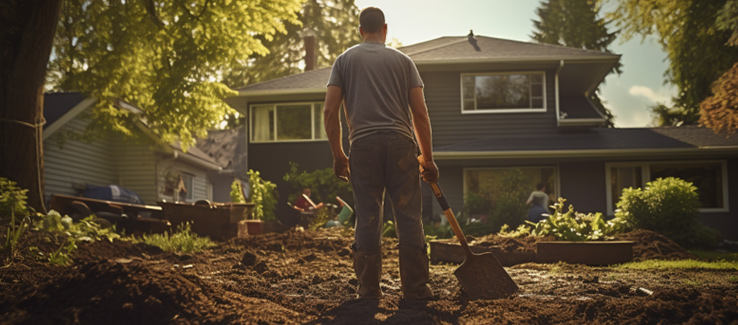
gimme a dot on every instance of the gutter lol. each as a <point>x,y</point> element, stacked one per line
<point>178,155</point>
<point>518,60</point>
<point>556,90</point>
<point>454,155</point>
<point>273,92</point>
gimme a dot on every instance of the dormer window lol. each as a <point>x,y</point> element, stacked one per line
<point>503,92</point>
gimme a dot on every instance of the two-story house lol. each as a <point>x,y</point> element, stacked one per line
<point>497,105</point>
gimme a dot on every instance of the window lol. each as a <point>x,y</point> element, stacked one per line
<point>287,122</point>
<point>707,176</point>
<point>494,183</point>
<point>503,92</point>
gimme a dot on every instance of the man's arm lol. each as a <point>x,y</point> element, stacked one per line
<point>331,117</point>
<point>422,127</point>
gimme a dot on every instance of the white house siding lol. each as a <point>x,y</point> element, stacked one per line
<point>76,162</point>
<point>136,167</point>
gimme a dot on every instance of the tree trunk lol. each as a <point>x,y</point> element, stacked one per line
<point>26,39</point>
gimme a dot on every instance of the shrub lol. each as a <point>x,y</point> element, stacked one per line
<point>510,208</point>
<point>324,184</point>
<point>576,226</point>
<point>263,194</point>
<point>667,206</point>
<point>12,199</point>
<point>237,195</point>
<point>474,204</point>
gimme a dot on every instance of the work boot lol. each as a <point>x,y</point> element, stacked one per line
<point>415,274</point>
<point>368,269</point>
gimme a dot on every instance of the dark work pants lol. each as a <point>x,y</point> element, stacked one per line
<point>386,161</point>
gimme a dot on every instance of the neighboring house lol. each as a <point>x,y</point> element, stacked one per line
<point>148,167</point>
<point>497,105</point>
<point>228,149</point>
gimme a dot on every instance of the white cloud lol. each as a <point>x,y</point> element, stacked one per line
<point>662,96</point>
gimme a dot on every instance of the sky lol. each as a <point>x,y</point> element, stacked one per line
<point>628,95</point>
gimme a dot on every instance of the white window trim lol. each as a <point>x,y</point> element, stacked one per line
<point>646,177</point>
<point>502,110</point>
<point>313,105</point>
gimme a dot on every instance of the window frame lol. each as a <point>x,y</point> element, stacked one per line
<point>556,187</point>
<point>646,177</point>
<point>314,105</point>
<point>504,110</point>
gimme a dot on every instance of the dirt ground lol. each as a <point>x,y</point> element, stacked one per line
<point>307,277</point>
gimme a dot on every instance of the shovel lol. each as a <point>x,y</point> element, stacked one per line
<point>481,275</point>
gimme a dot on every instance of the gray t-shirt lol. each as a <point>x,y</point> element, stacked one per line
<point>376,81</point>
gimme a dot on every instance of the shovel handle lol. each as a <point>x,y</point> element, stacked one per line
<point>450,216</point>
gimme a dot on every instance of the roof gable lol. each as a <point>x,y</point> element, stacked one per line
<point>452,50</point>
<point>490,49</point>
<point>61,108</point>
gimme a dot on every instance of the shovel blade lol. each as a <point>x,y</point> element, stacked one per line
<point>483,277</point>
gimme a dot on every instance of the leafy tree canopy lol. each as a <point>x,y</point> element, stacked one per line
<point>696,44</point>
<point>163,56</point>
<point>578,24</point>
<point>334,24</point>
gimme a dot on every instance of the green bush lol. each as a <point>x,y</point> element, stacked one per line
<point>12,199</point>
<point>237,192</point>
<point>474,204</point>
<point>667,206</point>
<point>510,208</point>
<point>324,184</point>
<point>263,194</point>
<point>576,226</point>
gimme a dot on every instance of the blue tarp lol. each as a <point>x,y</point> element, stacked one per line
<point>112,193</point>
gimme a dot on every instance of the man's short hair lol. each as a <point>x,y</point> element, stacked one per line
<point>371,20</point>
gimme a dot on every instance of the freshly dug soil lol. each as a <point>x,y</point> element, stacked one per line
<point>307,277</point>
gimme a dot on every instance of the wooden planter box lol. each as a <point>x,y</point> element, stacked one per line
<point>588,253</point>
<point>453,253</point>
<point>216,220</point>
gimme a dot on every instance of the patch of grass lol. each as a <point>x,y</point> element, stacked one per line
<point>691,282</point>
<point>681,264</point>
<point>715,256</point>
<point>182,240</point>
<point>733,279</point>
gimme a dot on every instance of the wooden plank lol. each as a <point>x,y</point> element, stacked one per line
<point>588,253</point>
<point>454,253</point>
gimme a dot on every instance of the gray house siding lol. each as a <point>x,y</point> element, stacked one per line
<point>450,126</point>
<point>76,162</point>
<point>136,166</point>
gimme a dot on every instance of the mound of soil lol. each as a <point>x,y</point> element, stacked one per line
<point>307,277</point>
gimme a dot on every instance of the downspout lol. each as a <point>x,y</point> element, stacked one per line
<point>556,91</point>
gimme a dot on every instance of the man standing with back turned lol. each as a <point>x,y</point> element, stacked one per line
<point>377,84</point>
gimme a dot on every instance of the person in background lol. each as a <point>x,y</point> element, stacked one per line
<point>538,202</point>
<point>303,202</point>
